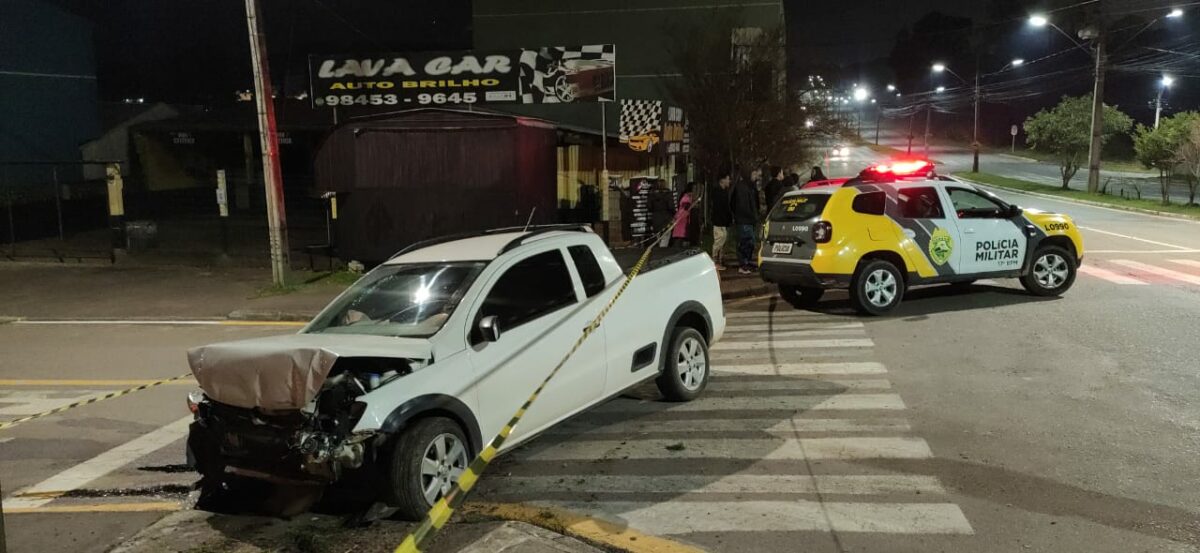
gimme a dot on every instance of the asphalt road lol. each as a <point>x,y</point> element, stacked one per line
<point>976,420</point>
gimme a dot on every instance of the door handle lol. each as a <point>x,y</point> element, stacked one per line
<point>969,231</point>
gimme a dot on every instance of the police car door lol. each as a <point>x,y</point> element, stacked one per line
<point>992,241</point>
<point>922,215</point>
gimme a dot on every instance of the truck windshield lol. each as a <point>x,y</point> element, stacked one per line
<point>411,300</point>
<point>799,208</point>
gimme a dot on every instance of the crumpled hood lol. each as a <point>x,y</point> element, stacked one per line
<point>286,372</point>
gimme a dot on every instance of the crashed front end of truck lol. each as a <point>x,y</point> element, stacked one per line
<point>283,409</point>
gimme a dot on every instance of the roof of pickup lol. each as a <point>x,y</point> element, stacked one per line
<point>481,246</point>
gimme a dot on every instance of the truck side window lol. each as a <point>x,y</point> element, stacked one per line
<point>921,203</point>
<point>533,287</point>
<point>870,203</point>
<point>589,269</point>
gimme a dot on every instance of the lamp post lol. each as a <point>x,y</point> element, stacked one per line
<point>1164,84</point>
<point>977,96</point>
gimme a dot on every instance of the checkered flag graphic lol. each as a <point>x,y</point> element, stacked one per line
<point>539,68</point>
<point>640,118</point>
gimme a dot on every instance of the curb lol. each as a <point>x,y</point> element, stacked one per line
<point>757,290</point>
<point>280,316</point>
<point>1130,209</point>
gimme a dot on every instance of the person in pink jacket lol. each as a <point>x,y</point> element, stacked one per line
<point>680,235</point>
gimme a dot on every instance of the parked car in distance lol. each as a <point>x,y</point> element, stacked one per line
<point>405,376</point>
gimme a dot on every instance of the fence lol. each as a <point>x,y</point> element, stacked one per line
<point>51,211</point>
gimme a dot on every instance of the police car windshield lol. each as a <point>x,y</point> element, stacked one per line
<point>799,207</point>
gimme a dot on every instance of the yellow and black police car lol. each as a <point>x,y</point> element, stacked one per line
<point>900,225</point>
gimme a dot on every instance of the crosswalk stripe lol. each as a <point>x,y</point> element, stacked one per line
<point>736,328</point>
<point>733,384</point>
<point>773,314</point>
<point>1105,274</point>
<point>1159,271</point>
<point>1186,262</point>
<point>801,369</point>
<point>785,427</point>
<point>747,448</point>
<point>684,517</point>
<point>794,344</point>
<point>776,335</point>
<point>849,402</point>
<point>734,483</point>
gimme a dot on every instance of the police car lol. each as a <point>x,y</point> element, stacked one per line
<point>900,225</point>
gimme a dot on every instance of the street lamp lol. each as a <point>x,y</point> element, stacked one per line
<point>1018,62</point>
<point>941,89</point>
<point>1038,20</point>
<point>939,67</point>
<point>861,94</point>
<point>1177,12</point>
<point>891,88</point>
<point>1166,83</point>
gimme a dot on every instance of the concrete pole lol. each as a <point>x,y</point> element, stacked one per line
<point>928,121</point>
<point>975,134</point>
<point>269,141</point>
<point>1097,143</point>
<point>1158,106</point>
<point>58,202</point>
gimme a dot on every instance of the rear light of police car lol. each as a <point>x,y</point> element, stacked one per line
<point>822,232</point>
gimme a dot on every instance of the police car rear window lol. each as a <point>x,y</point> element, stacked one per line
<point>799,208</point>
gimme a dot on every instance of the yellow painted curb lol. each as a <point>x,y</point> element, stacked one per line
<point>149,506</point>
<point>581,526</point>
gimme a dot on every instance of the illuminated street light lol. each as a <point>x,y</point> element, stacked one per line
<point>809,123</point>
<point>1018,62</point>
<point>1038,20</point>
<point>1167,80</point>
<point>861,94</point>
<point>891,88</point>
<point>941,89</point>
<point>1166,83</point>
<point>939,67</point>
<point>1177,12</point>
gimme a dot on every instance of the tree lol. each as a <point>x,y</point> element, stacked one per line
<point>732,88</point>
<point>1066,131</point>
<point>1188,152</point>
<point>1158,148</point>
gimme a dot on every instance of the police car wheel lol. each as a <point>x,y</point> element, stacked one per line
<point>1052,272</point>
<point>800,297</point>
<point>686,372</point>
<point>877,288</point>
<point>426,461</point>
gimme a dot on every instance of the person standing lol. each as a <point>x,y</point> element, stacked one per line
<point>722,219</point>
<point>744,204</point>
<point>816,174</point>
<point>775,187</point>
<point>683,216</point>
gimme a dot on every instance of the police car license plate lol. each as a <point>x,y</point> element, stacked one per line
<point>781,247</point>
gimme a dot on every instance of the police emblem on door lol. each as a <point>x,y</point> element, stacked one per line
<point>941,245</point>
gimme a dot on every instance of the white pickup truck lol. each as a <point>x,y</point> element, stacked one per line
<point>403,378</point>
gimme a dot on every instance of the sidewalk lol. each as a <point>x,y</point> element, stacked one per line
<point>200,531</point>
<point>55,291</point>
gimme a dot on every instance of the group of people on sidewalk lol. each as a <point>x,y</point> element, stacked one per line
<point>739,205</point>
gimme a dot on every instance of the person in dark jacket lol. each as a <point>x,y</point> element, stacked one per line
<point>816,175</point>
<point>722,219</point>
<point>775,187</point>
<point>744,204</point>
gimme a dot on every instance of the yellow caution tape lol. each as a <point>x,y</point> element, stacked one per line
<point>440,513</point>
<point>91,400</point>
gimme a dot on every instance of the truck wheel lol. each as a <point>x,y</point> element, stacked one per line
<point>876,288</point>
<point>685,373</point>
<point>801,297</point>
<point>1052,272</point>
<point>426,461</point>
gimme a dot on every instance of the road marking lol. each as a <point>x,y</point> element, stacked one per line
<point>1128,252</point>
<point>725,384</point>
<point>886,402</point>
<point>6,440</point>
<point>141,507</point>
<point>1186,262</point>
<point>684,517</point>
<point>738,328</point>
<point>1156,243</point>
<point>743,336</point>
<point>164,322</point>
<point>793,344</point>
<point>617,535</point>
<point>100,465</point>
<point>734,483</point>
<point>785,427</point>
<point>31,405</point>
<point>1159,271</point>
<point>773,314</point>
<point>801,369</point>
<point>736,448</point>
<point>1115,278</point>
<point>116,383</point>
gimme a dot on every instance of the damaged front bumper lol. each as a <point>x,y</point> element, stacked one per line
<point>282,447</point>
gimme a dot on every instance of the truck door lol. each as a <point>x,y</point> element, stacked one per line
<point>538,309</point>
<point>992,242</point>
<point>922,215</point>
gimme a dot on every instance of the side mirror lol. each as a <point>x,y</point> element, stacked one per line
<point>489,328</point>
<point>1013,211</point>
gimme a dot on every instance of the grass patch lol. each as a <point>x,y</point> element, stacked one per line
<point>1118,202</point>
<point>1123,165</point>
<point>301,281</point>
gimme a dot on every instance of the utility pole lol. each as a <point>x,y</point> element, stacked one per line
<point>975,134</point>
<point>1097,144</point>
<point>269,141</point>
<point>928,120</point>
